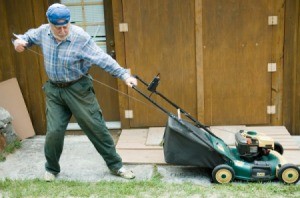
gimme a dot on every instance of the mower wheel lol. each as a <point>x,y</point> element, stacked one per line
<point>278,147</point>
<point>289,174</point>
<point>223,174</point>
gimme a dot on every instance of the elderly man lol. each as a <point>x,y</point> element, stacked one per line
<point>69,53</point>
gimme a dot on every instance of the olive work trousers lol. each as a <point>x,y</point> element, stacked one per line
<point>78,99</point>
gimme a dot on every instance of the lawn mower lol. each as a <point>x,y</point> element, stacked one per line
<point>255,156</point>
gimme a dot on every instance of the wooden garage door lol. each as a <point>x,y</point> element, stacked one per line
<point>160,39</point>
<point>238,44</point>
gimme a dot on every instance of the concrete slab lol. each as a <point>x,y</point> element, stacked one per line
<point>297,138</point>
<point>155,136</point>
<point>79,161</point>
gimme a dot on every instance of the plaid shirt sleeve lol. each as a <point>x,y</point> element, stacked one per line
<point>95,55</point>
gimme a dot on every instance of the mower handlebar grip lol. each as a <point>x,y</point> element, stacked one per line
<point>141,80</point>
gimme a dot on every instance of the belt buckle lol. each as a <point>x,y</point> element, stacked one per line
<point>61,84</point>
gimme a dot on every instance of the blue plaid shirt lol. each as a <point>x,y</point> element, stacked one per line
<point>70,59</point>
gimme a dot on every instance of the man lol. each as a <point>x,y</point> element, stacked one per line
<point>69,53</point>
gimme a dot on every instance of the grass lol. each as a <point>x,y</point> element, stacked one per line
<point>155,187</point>
<point>9,149</point>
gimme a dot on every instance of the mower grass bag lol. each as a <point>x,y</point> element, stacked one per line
<point>184,147</point>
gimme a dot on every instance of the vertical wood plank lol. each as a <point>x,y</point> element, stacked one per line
<point>277,57</point>
<point>38,98</point>
<point>199,59</point>
<point>296,70</point>
<point>120,57</point>
<point>109,26</point>
<point>291,67</point>
<point>7,70</point>
<point>296,116</point>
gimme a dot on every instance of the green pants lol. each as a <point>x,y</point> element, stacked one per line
<point>78,99</point>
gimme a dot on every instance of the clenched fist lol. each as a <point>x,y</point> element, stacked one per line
<point>131,81</point>
<point>20,45</point>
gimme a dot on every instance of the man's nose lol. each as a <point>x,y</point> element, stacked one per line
<point>61,29</point>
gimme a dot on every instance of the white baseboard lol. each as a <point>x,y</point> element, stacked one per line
<point>110,125</point>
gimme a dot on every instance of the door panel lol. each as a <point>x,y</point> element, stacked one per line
<point>107,97</point>
<point>237,47</point>
<point>161,40</point>
<point>96,18</point>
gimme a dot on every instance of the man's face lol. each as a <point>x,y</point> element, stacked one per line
<point>60,32</point>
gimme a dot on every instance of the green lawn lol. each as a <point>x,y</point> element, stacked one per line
<point>152,188</point>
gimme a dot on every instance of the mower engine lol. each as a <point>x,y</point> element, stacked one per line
<point>252,145</point>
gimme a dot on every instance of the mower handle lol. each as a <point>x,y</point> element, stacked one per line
<point>153,84</point>
<point>152,88</point>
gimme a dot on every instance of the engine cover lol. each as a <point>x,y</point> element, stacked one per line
<point>252,145</point>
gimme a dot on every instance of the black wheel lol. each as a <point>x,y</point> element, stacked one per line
<point>223,174</point>
<point>289,174</point>
<point>278,147</point>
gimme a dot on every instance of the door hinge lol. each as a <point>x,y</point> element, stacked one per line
<point>272,67</point>
<point>123,27</point>
<point>273,20</point>
<point>128,114</point>
<point>271,109</point>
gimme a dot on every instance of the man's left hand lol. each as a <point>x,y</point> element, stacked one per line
<point>131,81</point>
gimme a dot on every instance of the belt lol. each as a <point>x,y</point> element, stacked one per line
<point>65,84</point>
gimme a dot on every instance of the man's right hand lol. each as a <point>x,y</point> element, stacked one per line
<point>20,45</point>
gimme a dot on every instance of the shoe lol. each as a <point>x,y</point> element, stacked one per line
<point>49,177</point>
<point>126,174</point>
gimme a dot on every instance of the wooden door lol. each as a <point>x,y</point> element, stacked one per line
<point>238,44</point>
<point>96,18</point>
<point>161,39</point>
<point>107,98</point>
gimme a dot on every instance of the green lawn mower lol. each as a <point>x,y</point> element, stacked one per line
<point>255,157</point>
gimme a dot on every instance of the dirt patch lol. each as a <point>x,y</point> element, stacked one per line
<point>2,142</point>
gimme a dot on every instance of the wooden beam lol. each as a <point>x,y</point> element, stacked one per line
<point>296,72</point>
